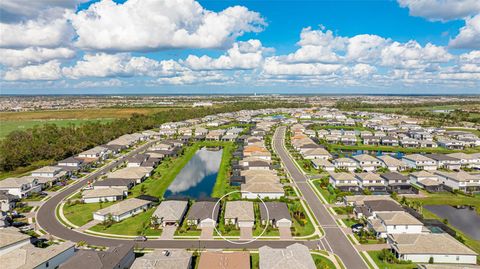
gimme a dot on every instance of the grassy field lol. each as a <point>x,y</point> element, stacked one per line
<point>136,225</point>
<point>81,214</point>
<point>110,113</point>
<point>322,262</point>
<point>384,265</point>
<point>7,127</point>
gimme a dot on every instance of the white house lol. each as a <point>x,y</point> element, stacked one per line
<point>431,247</point>
<point>460,180</point>
<point>122,210</point>
<point>239,213</point>
<point>103,195</point>
<point>20,187</point>
<point>345,163</point>
<point>394,223</point>
<point>419,161</point>
<point>367,163</point>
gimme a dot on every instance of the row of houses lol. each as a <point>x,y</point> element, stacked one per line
<point>406,236</point>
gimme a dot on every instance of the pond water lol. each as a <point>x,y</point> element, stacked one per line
<point>197,177</point>
<point>464,219</point>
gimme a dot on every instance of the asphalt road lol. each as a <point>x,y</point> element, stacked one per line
<point>47,221</point>
<point>334,237</point>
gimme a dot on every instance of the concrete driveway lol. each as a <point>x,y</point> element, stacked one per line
<point>285,233</point>
<point>245,233</point>
<point>168,232</point>
<point>207,233</point>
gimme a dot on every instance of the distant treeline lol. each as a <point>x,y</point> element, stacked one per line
<point>49,142</point>
<point>412,109</point>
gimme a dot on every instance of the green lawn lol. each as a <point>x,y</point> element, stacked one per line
<point>254,260</point>
<point>8,126</point>
<point>81,214</point>
<point>136,225</point>
<point>322,262</point>
<point>349,222</point>
<point>300,226</point>
<point>331,198</point>
<point>384,265</point>
<point>222,184</point>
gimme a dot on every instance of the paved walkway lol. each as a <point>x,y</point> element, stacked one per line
<point>285,233</point>
<point>245,233</point>
<point>369,247</point>
<point>87,225</point>
<point>168,232</point>
<point>207,233</point>
<point>35,203</point>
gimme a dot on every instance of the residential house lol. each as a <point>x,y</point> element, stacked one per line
<point>203,214</point>
<point>392,164</point>
<point>389,141</point>
<point>344,181</point>
<point>11,239</point>
<point>445,161</point>
<point>276,214</point>
<point>239,213</point>
<point>317,153</point>
<point>345,164</point>
<point>467,160</point>
<point>136,173</point>
<point>20,187</point>
<point>427,181</point>
<point>103,195</point>
<point>418,161</point>
<point>371,140</point>
<point>253,189</point>
<point>164,259</point>
<point>463,181</point>
<point>397,182</point>
<point>450,143</point>
<point>431,247</point>
<point>222,260</point>
<point>293,256</point>
<point>401,222</point>
<point>371,181</point>
<point>122,210</point>
<point>170,213</point>
<point>96,153</point>
<point>7,201</point>
<point>72,164</point>
<point>323,164</point>
<point>367,162</point>
<point>121,256</point>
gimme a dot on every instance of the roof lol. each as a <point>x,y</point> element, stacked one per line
<point>383,205</point>
<point>423,173</point>
<point>296,256</point>
<point>98,259</point>
<point>276,211</point>
<point>241,210</point>
<point>171,210</point>
<point>398,218</point>
<point>47,169</point>
<point>262,187</point>
<point>16,182</point>
<point>159,259</point>
<point>343,176</point>
<point>391,161</point>
<point>442,157</point>
<point>123,206</point>
<point>317,151</point>
<point>322,162</point>
<point>102,192</point>
<point>429,243</point>
<point>221,260</point>
<point>131,172</point>
<point>365,158</point>
<point>114,182</point>
<point>417,157</point>
<point>368,176</point>
<point>394,176</point>
<point>457,176</point>
<point>202,210</point>
<point>10,236</point>
<point>29,256</point>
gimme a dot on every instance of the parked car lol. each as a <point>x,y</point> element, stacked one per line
<point>141,238</point>
<point>357,227</point>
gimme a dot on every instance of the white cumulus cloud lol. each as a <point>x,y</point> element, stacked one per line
<point>33,55</point>
<point>469,36</point>
<point>160,24</point>
<point>47,71</point>
<point>441,10</point>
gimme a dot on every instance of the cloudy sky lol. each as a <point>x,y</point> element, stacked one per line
<point>267,46</point>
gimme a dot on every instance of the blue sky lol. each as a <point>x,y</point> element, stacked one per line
<point>183,46</point>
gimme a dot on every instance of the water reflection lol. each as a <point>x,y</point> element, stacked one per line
<point>465,219</point>
<point>197,178</point>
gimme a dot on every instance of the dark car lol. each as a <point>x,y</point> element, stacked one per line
<point>357,227</point>
<point>141,238</point>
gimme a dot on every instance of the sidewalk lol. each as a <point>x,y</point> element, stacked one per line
<point>87,225</point>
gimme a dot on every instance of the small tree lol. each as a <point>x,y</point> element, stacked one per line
<point>430,260</point>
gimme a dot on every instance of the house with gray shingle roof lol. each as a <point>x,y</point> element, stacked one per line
<point>203,214</point>
<point>276,214</point>
<point>239,213</point>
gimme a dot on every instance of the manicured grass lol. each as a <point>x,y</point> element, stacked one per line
<point>349,222</point>
<point>9,126</point>
<point>258,228</point>
<point>342,210</point>
<point>34,197</point>
<point>222,184</point>
<point>254,260</point>
<point>331,198</point>
<point>300,226</point>
<point>136,225</point>
<point>322,262</point>
<point>384,265</point>
<point>81,214</point>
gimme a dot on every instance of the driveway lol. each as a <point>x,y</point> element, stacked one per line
<point>285,233</point>
<point>168,232</point>
<point>207,233</point>
<point>245,233</point>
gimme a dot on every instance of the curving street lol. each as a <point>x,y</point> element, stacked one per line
<point>334,237</point>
